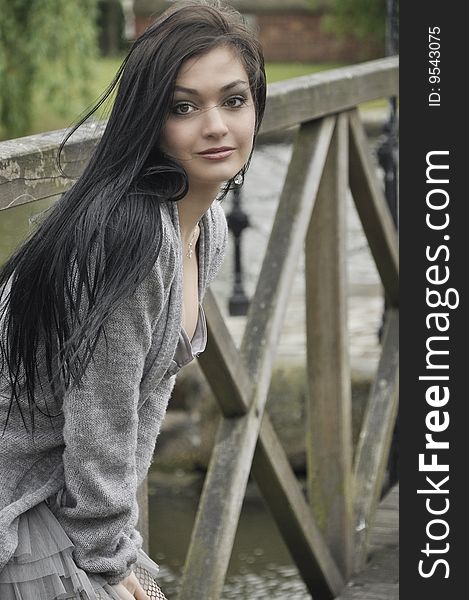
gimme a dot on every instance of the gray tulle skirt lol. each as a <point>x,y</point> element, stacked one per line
<point>42,567</point>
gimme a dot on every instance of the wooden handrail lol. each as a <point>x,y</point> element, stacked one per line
<point>30,162</point>
<point>327,534</point>
<point>314,96</point>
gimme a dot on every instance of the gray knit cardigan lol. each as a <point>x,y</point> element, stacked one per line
<point>99,451</point>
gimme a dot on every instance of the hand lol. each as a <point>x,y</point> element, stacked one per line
<point>130,589</point>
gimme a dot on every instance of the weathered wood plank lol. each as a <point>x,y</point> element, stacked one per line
<point>372,209</point>
<point>225,484</point>
<point>329,421</point>
<point>219,507</point>
<point>314,96</point>
<point>375,439</point>
<point>286,241</point>
<point>286,501</point>
<point>28,165</point>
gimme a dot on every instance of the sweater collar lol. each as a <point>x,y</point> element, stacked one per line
<point>204,243</point>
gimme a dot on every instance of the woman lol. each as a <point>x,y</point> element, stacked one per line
<point>102,306</point>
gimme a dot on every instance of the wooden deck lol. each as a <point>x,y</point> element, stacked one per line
<point>380,579</point>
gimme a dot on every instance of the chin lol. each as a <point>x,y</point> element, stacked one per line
<point>219,178</point>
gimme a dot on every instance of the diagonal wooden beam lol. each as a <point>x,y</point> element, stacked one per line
<point>219,508</point>
<point>287,503</point>
<point>271,468</point>
<point>222,366</point>
<point>225,484</point>
<point>372,209</point>
<point>275,478</point>
<point>375,438</point>
<point>266,312</point>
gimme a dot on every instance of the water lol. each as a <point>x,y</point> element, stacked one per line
<point>260,565</point>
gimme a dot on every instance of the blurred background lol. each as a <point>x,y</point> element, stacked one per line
<point>56,59</point>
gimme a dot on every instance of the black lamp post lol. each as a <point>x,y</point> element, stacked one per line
<point>237,222</point>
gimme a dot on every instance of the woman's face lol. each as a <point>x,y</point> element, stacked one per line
<point>211,124</point>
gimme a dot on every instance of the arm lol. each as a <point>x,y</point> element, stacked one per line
<point>150,416</point>
<point>100,435</point>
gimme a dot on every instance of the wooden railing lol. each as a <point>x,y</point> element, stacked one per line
<point>326,533</point>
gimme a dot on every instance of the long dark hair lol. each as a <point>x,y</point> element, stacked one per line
<point>102,237</point>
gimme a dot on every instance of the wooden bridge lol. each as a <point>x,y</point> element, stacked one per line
<point>330,532</point>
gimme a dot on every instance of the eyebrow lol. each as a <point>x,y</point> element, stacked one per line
<point>228,86</point>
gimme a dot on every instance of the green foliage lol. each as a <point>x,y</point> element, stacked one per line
<point>47,48</point>
<point>366,19</point>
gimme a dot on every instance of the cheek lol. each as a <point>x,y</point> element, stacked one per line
<point>247,127</point>
<point>173,139</point>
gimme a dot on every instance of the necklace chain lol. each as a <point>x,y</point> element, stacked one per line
<point>190,249</point>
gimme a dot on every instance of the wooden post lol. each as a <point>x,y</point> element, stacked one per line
<point>329,436</point>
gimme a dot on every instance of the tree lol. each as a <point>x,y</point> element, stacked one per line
<point>46,46</point>
<point>363,18</point>
<point>366,19</point>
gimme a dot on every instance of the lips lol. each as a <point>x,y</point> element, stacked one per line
<point>217,153</point>
<point>216,150</point>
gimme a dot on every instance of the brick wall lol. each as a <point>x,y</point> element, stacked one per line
<point>298,37</point>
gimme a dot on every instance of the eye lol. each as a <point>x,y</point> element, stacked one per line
<point>183,108</point>
<point>236,101</point>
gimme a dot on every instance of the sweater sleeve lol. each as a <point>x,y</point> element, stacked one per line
<point>151,416</point>
<point>100,436</point>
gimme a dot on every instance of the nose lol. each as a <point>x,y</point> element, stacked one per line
<point>214,123</point>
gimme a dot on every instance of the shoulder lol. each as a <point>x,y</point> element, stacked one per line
<point>218,228</point>
<point>215,240</point>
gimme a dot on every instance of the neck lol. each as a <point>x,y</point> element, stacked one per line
<point>193,207</point>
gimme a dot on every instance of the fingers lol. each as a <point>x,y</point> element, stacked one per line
<point>123,593</point>
<point>140,594</point>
